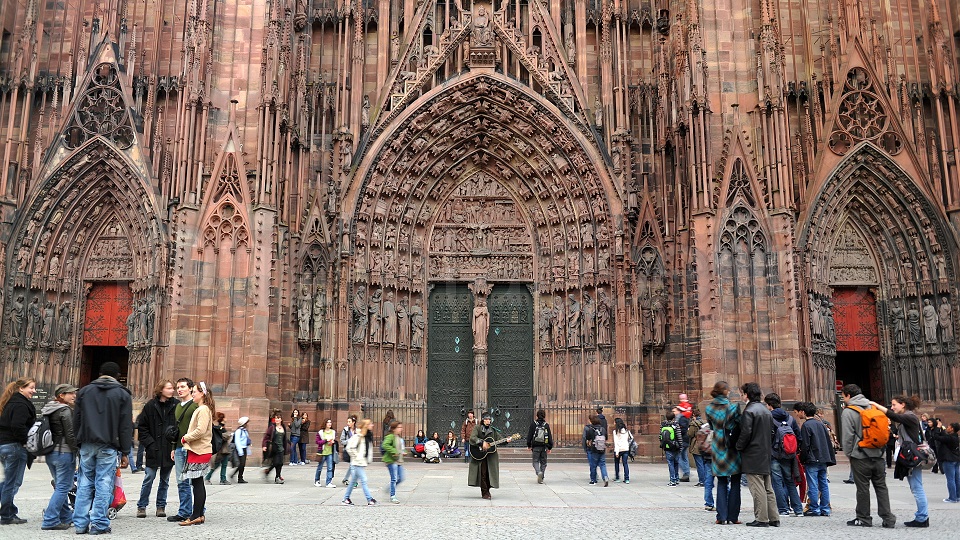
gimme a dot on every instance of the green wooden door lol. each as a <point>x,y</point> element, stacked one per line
<point>450,358</point>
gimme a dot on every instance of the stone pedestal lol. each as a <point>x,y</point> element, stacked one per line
<point>480,396</point>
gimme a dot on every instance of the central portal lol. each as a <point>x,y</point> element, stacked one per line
<point>510,352</point>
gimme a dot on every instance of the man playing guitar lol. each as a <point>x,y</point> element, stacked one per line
<point>484,472</point>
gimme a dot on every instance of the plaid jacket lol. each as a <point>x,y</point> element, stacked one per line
<point>723,417</point>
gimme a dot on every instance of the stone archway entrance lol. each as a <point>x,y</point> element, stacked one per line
<point>858,340</point>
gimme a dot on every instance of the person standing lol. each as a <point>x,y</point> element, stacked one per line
<point>17,416</point>
<point>295,426</point>
<point>595,445</point>
<point>816,454</point>
<point>695,423</point>
<point>346,433</point>
<point>198,442</point>
<point>360,449</point>
<point>724,419</point>
<point>949,459</point>
<point>182,414</point>
<point>783,465</point>
<point>540,443</point>
<point>671,446</point>
<point>684,423</point>
<point>484,473</point>
<point>103,420</point>
<point>866,463</point>
<point>61,462</point>
<point>221,458</point>
<point>275,444</point>
<point>903,411</point>
<point>704,460</point>
<point>621,450</point>
<point>304,437</point>
<point>152,425</point>
<point>326,447</point>
<point>243,446</point>
<point>754,445</point>
<point>393,457</point>
<point>465,430</point>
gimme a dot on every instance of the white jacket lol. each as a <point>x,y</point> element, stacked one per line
<point>361,454</point>
<point>621,441</point>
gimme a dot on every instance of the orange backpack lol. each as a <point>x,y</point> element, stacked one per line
<point>876,427</point>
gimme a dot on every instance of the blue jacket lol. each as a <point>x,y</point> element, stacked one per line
<point>241,441</point>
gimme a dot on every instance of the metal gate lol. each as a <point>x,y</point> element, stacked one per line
<point>510,357</point>
<point>449,358</point>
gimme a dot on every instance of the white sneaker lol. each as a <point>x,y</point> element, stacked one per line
<point>318,483</point>
<point>331,485</point>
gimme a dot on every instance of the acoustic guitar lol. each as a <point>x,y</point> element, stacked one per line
<point>478,453</point>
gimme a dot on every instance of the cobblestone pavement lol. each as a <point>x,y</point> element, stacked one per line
<point>436,500</point>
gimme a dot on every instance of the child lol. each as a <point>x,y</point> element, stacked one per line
<point>685,407</point>
<point>670,442</point>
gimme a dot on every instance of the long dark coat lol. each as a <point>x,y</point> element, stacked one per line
<point>152,423</point>
<point>477,436</point>
<point>756,438</point>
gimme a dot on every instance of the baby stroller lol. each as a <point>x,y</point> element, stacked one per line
<point>119,497</point>
<point>431,452</point>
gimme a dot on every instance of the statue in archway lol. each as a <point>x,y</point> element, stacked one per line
<point>913,323</point>
<point>389,321</point>
<point>132,327</point>
<point>318,314</point>
<point>16,319</point>
<point>417,323</point>
<point>559,323</point>
<point>359,317</point>
<point>946,321</point>
<point>816,322</point>
<point>604,311</point>
<point>899,327</point>
<point>930,321</point>
<point>403,325</point>
<point>543,325</point>
<point>589,320</point>
<point>376,314</point>
<point>63,324</point>
<point>34,321</point>
<point>46,333</point>
<point>481,324</point>
<point>573,321</point>
<point>659,322</point>
<point>304,308</point>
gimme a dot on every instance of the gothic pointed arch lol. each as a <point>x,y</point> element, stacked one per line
<point>909,242</point>
<point>651,280</point>
<point>226,199</point>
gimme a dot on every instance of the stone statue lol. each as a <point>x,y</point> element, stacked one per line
<point>151,319</point>
<point>816,322</point>
<point>359,317</point>
<point>598,111</point>
<point>482,33</point>
<point>417,323</point>
<point>481,325</point>
<point>589,320</point>
<point>829,328</point>
<point>389,320</point>
<point>16,319</point>
<point>559,322</point>
<point>304,309</point>
<point>365,112</point>
<point>930,321</point>
<point>897,320</point>
<point>346,155</point>
<point>63,323</point>
<point>132,327</point>
<point>46,333</point>
<point>573,321</point>
<point>376,329</point>
<point>604,310</point>
<point>946,321</point>
<point>403,325</point>
<point>913,323</point>
<point>318,314</point>
<point>143,321</point>
<point>34,321</point>
<point>543,326</point>
<point>659,322</point>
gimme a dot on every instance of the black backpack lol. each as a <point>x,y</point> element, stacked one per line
<point>218,437</point>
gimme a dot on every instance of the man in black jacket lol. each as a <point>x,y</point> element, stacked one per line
<point>540,443</point>
<point>684,424</point>
<point>103,420</point>
<point>754,445</point>
<point>152,424</point>
<point>816,453</point>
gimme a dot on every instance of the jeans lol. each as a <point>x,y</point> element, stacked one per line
<point>359,474</point>
<point>139,457</point>
<point>673,464</point>
<point>685,462</point>
<point>539,459</point>
<point>222,465</point>
<point>784,487</point>
<point>702,471</point>
<point>728,498</point>
<point>183,484</point>
<point>61,465</point>
<point>708,482</point>
<point>294,442</point>
<point>818,490</point>
<point>325,461</point>
<point>98,468</point>
<point>916,487</point>
<point>622,458</point>
<point>396,477</point>
<point>147,486</point>
<point>302,445</point>
<point>597,459</point>
<point>952,471</point>
<point>864,472</point>
<point>13,457</point>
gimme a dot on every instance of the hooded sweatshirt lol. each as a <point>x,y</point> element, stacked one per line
<point>61,426</point>
<point>103,415</point>
<point>17,418</point>
<point>852,431</point>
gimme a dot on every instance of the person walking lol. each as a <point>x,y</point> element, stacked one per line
<point>903,411</point>
<point>705,458</point>
<point>304,437</point>
<point>154,420</point>
<point>484,473</point>
<point>754,444</point>
<point>540,443</point>
<point>346,433</point>
<point>182,414</point>
<point>723,416</point>
<point>275,445</point>
<point>220,459</point>
<point>62,460</point>
<point>326,448</point>
<point>243,447</point>
<point>17,416</point>
<point>295,425</point>
<point>465,430</point>
<point>103,423</point>
<point>695,422</point>
<point>621,450</point>
<point>393,457</point>
<point>198,442</point>
<point>360,449</point>
<point>866,463</point>
<point>784,469</point>
<point>816,454</point>
<point>595,445</point>
<point>949,459</point>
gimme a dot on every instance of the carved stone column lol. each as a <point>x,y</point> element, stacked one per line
<point>481,327</point>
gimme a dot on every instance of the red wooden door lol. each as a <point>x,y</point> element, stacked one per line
<point>108,306</point>
<point>855,317</point>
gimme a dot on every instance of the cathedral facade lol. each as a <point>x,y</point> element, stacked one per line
<point>503,204</point>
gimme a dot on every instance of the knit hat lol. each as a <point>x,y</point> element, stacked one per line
<point>486,416</point>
